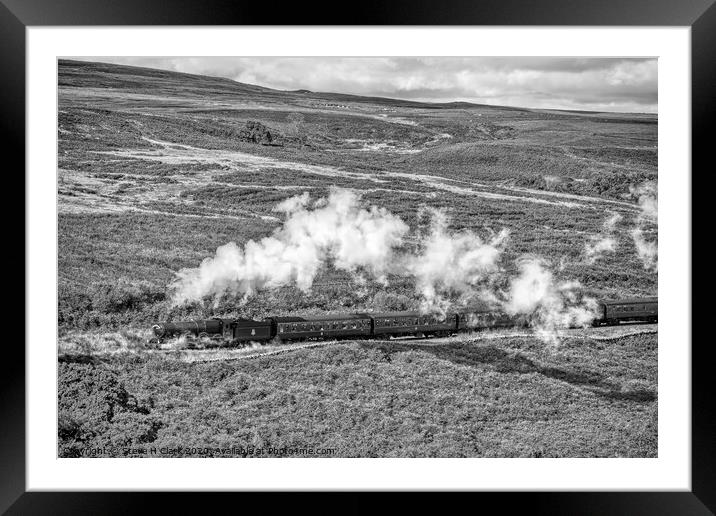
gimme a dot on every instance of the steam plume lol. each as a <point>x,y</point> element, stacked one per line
<point>335,229</point>
<point>603,243</point>
<point>549,305</point>
<point>452,263</point>
<point>647,249</point>
<point>647,195</point>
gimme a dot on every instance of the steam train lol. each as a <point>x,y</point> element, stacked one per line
<point>381,325</point>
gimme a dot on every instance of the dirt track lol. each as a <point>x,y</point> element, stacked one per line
<point>601,333</point>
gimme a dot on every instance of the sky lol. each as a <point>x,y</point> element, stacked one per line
<point>599,84</point>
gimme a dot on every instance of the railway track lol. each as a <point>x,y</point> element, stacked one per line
<point>601,334</point>
<point>107,345</point>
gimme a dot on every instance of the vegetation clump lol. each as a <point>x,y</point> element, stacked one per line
<point>97,412</point>
<point>255,132</point>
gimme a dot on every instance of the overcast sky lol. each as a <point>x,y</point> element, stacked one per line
<point>611,84</point>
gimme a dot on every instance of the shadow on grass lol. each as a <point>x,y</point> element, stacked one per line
<point>504,362</point>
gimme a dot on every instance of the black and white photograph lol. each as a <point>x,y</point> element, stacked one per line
<point>369,257</point>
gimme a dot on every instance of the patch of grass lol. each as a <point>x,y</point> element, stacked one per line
<point>507,398</point>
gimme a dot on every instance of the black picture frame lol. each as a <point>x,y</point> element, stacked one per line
<point>17,15</point>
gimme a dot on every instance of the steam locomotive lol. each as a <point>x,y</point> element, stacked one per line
<point>381,325</point>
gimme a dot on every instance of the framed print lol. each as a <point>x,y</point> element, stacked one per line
<point>422,252</point>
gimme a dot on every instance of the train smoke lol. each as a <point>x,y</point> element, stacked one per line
<point>452,263</point>
<point>336,229</point>
<point>603,243</point>
<point>549,305</point>
<point>646,248</point>
<point>364,242</point>
<point>647,195</point>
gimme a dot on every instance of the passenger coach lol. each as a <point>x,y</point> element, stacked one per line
<point>321,326</point>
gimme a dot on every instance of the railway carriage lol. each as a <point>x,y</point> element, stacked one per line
<point>393,324</point>
<point>628,310</point>
<point>331,326</point>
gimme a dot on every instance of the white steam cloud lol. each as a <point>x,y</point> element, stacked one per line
<point>336,228</point>
<point>603,243</point>
<point>357,240</point>
<point>550,305</point>
<point>452,263</point>
<point>646,248</point>
<point>647,194</point>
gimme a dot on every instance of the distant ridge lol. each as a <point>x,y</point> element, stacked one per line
<point>74,73</point>
<point>137,77</point>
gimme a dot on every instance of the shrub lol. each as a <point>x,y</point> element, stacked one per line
<point>124,295</point>
<point>255,132</point>
<point>95,410</point>
<point>387,302</point>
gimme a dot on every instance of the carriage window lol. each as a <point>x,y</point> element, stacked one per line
<point>280,328</point>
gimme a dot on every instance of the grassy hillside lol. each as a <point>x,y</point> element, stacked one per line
<point>506,398</point>
<point>135,206</point>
